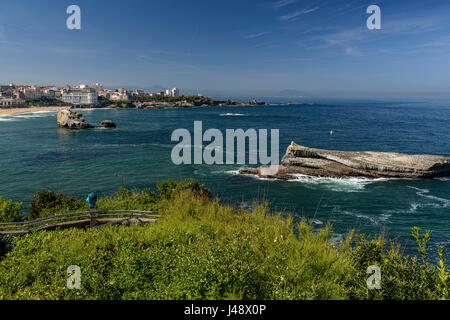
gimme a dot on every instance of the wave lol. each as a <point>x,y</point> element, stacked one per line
<point>43,111</point>
<point>317,222</point>
<point>35,114</point>
<point>232,114</point>
<point>5,118</point>
<point>383,218</point>
<point>350,184</point>
<point>254,176</point>
<point>425,193</point>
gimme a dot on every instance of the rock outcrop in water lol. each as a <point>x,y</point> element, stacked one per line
<point>107,124</point>
<point>75,121</point>
<point>329,163</point>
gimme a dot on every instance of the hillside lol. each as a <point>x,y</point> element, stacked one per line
<point>201,249</point>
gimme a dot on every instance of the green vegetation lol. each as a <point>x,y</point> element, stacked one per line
<point>10,211</point>
<point>48,203</point>
<point>201,249</point>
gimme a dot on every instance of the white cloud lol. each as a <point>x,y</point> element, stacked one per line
<point>296,14</point>
<point>256,35</point>
<point>353,51</point>
<point>281,3</point>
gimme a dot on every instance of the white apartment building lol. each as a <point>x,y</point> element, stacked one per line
<point>33,93</point>
<point>175,92</point>
<point>80,97</point>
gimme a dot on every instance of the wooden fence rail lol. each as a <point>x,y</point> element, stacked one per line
<point>93,219</point>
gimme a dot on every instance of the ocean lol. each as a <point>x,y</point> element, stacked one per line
<point>36,154</point>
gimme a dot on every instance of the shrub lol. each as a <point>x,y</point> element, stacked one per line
<point>402,277</point>
<point>168,189</point>
<point>47,203</point>
<point>125,199</point>
<point>10,211</point>
<point>444,275</point>
<point>5,245</point>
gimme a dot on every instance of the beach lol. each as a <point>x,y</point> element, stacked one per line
<point>12,111</point>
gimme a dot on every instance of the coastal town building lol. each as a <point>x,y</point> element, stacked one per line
<point>33,93</point>
<point>119,96</point>
<point>122,95</point>
<point>82,95</point>
<point>17,95</point>
<point>175,92</point>
<point>105,94</point>
<point>98,87</point>
<point>11,102</point>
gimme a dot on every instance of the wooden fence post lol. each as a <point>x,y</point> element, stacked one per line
<point>92,216</point>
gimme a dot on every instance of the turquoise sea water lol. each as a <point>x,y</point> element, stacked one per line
<point>35,154</point>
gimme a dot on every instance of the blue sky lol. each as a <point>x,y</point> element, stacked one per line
<point>319,48</point>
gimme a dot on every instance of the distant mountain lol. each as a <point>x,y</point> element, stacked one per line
<point>290,93</point>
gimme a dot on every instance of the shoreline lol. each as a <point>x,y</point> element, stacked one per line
<point>14,111</point>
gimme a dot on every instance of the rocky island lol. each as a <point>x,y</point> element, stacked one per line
<point>337,164</point>
<point>74,120</point>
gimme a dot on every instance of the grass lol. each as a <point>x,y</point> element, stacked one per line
<point>204,250</point>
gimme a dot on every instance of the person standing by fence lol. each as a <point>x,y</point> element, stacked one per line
<point>92,201</point>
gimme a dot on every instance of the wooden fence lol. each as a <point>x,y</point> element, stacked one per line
<point>93,219</point>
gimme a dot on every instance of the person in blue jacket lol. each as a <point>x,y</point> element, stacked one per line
<point>92,200</point>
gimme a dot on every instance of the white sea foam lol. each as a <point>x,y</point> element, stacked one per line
<point>232,114</point>
<point>236,173</point>
<point>438,202</point>
<point>4,119</point>
<point>35,114</point>
<point>350,184</point>
<point>43,111</point>
<point>359,216</point>
<point>375,219</point>
<point>414,207</point>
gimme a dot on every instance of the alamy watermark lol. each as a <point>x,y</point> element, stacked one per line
<point>374,21</point>
<point>74,279</point>
<point>73,22</point>
<point>374,281</point>
<point>214,152</point>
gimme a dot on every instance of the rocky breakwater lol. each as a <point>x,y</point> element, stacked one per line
<point>75,121</point>
<point>337,164</point>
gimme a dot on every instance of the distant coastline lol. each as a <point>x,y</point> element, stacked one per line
<point>129,105</point>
